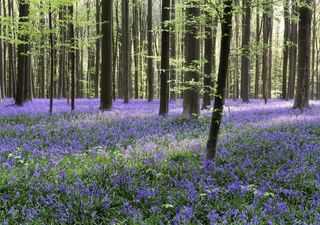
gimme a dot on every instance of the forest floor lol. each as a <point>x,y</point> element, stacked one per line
<point>130,166</point>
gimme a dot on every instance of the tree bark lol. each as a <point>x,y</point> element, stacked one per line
<point>106,78</point>
<point>150,70</point>
<point>304,47</point>
<point>165,57</point>
<point>125,49</point>
<point>226,29</point>
<point>191,107</point>
<point>245,57</point>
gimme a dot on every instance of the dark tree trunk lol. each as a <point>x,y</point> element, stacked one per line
<point>165,57</point>
<point>23,57</point>
<point>226,29</point>
<point>245,58</point>
<point>125,49</point>
<point>106,75</point>
<point>285,49</point>
<point>150,70</point>
<point>191,106</point>
<point>304,47</point>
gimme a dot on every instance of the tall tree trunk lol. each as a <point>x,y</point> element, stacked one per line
<point>135,37</point>
<point>292,53</point>
<point>304,47</point>
<point>165,57</point>
<point>226,29</point>
<point>125,49</point>
<point>61,56</point>
<point>23,57</point>
<point>191,106</point>
<point>314,40</point>
<point>257,63</point>
<point>245,58</point>
<point>106,78</point>
<point>150,70</point>
<point>285,49</point>
<point>52,59</point>
<point>98,51</point>
<point>173,53</point>
<point>267,23</point>
<point>2,58</point>
<point>72,58</point>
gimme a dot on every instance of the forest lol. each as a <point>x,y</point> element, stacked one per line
<point>160,112</point>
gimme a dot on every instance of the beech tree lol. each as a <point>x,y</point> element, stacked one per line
<point>106,72</point>
<point>191,105</point>
<point>165,57</point>
<point>226,29</point>
<point>304,46</point>
<point>23,83</point>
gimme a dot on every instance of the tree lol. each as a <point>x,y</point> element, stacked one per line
<point>207,80</point>
<point>52,59</point>
<point>150,71</point>
<point>245,58</point>
<point>98,50</point>
<point>292,52</point>
<point>304,46</point>
<point>72,58</point>
<point>125,49</point>
<point>165,57</point>
<point>23,87</point>
<point>173,53</point>
<point>106,72</point>
<point>226,29</point>
<point>191,105</point>
<point>266,58</point>
<point>285,49</point>
<point>2,69</point>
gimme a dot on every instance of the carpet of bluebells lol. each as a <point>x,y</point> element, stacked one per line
<point>130,166</point>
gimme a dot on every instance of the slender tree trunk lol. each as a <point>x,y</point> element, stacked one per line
<point>150,70</point>
<point>125,49</point>
<point>267,20</point>
<point>285,49</point>
<point>245,58</point>
<point>173,53</point>
<point>292,53</point>
<point>257,64</point>
<point>2,58</point>
<point>165,57</point>
<point>72,58</point>
<point>61,56</point>
<point>52,59</point>
<point>314,39</point>
<point>135,37</point>
<point>226,29</point>
<point>191,106</point>
<point>98,51</point>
